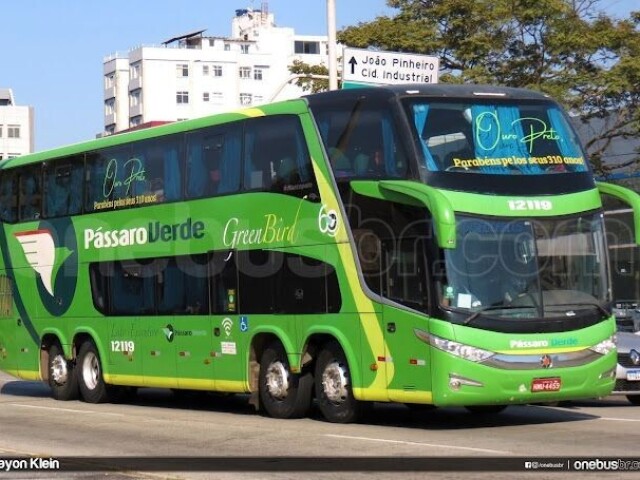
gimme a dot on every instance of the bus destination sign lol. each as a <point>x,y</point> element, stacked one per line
<point>367,66</point>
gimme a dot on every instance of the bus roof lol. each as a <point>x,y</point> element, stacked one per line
<point>294,106</point>
<point>435,90</point>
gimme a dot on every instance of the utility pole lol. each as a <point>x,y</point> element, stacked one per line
<point>331,28</point>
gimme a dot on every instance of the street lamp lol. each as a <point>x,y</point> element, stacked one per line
<point>333,61</point>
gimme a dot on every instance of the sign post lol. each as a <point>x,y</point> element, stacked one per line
<point>371,67</point>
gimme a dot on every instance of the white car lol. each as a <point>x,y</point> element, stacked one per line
<point>628,369</point>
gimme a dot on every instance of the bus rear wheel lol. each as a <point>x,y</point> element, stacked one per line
<point>334,391</point>
<point>283,394</point>
<point>62,377</point>
<point>89,370</point>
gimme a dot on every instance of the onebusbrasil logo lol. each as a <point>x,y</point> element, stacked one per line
<point>51,250</point>
<point>154,232</point>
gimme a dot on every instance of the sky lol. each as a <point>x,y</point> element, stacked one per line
<point>51,52</point>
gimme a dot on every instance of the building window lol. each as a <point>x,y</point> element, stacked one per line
<point>308,48</point>
<point>245,99</point>
<point>182,70</point>
<point>134,98</point>
<point>135,121</point>
<point>217,97</point>
<point>216,70</point>
<point>135,71</point>
<point>227,47</point>
<point>182,97</point>
<point>257,74</point>
<point>110,129</point>
<point>245,72</point>
<point>108,80</point>
<point>205,69</point>
<point>109,106</point>
<point>0,131</point>
<point>244,48</point>
<point>13,131</point>
<point>205,97</point>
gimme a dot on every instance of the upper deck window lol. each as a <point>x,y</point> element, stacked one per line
<point>509,137</point>
<point>362,139</point>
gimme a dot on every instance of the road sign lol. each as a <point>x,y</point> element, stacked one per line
<point>366,66</point>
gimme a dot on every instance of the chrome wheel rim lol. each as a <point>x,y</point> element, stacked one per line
<point>335,382</point>
<point>91,370</point>
<point>59,370</point>
<point>277,380</point>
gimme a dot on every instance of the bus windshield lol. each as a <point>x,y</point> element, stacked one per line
<point>494,137</point>
<point>526,267</point>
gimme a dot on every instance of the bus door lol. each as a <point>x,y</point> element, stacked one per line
<point>404,282</point>
<point>621,213</point>
<point>8,325</point>
<point>230,330</point>
<point>130,301</point>
<point>183,309</point>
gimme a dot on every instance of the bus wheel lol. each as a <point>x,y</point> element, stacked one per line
<point>334,391</point>
<point>283,394</point>
<point>486,409</point>
<point>635,399</point>
<point>89,370</point>
<point>62,377</point>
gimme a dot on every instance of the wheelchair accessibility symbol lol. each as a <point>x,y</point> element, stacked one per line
<point>244,324</point>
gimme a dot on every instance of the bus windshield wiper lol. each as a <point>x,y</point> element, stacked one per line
<point>489,308</point>
<point>581,305</point>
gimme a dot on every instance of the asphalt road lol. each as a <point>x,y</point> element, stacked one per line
<point>157,424</point>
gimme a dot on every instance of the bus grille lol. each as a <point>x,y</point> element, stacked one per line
<point>626,386</point>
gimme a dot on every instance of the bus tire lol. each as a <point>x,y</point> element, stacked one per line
<point>334,391</point>
<point>634,399</point>
<point>89,371</point>
<point>283,394</point>
<point>62,375</point>
<point>486,409</point>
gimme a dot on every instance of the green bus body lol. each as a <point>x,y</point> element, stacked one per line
<point>198,291</point>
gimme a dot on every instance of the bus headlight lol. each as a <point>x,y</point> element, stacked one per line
<point>605,346</point>
<point>467,352</point>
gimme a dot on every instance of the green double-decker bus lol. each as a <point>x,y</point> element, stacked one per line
<point>439,245</point>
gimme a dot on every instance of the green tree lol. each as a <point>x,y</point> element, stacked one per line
<point>569,49</point>
<point>311,76</point>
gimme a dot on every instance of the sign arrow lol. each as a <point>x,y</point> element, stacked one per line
<point>353,64</point>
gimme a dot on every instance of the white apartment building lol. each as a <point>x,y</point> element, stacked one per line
<point>16,127</point>
<point>194,75</point>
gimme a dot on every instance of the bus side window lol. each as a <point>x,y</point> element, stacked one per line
<point>277,158</point>
<point>8,196</point>
<point>63,188</point>
<point>183,286</point>
<point>160,169</point>
<point>214,161</point>
<point>30,198</point>
<point>133,288</point>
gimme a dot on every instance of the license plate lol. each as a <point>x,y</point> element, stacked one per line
<point>551,384</point>
<point>633,375</point>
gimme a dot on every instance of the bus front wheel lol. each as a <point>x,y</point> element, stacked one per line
<point>334,391</point>
<point>283,394</point>
<point>634,399</point>
<point>89,370</point>
<point>62,377</point>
